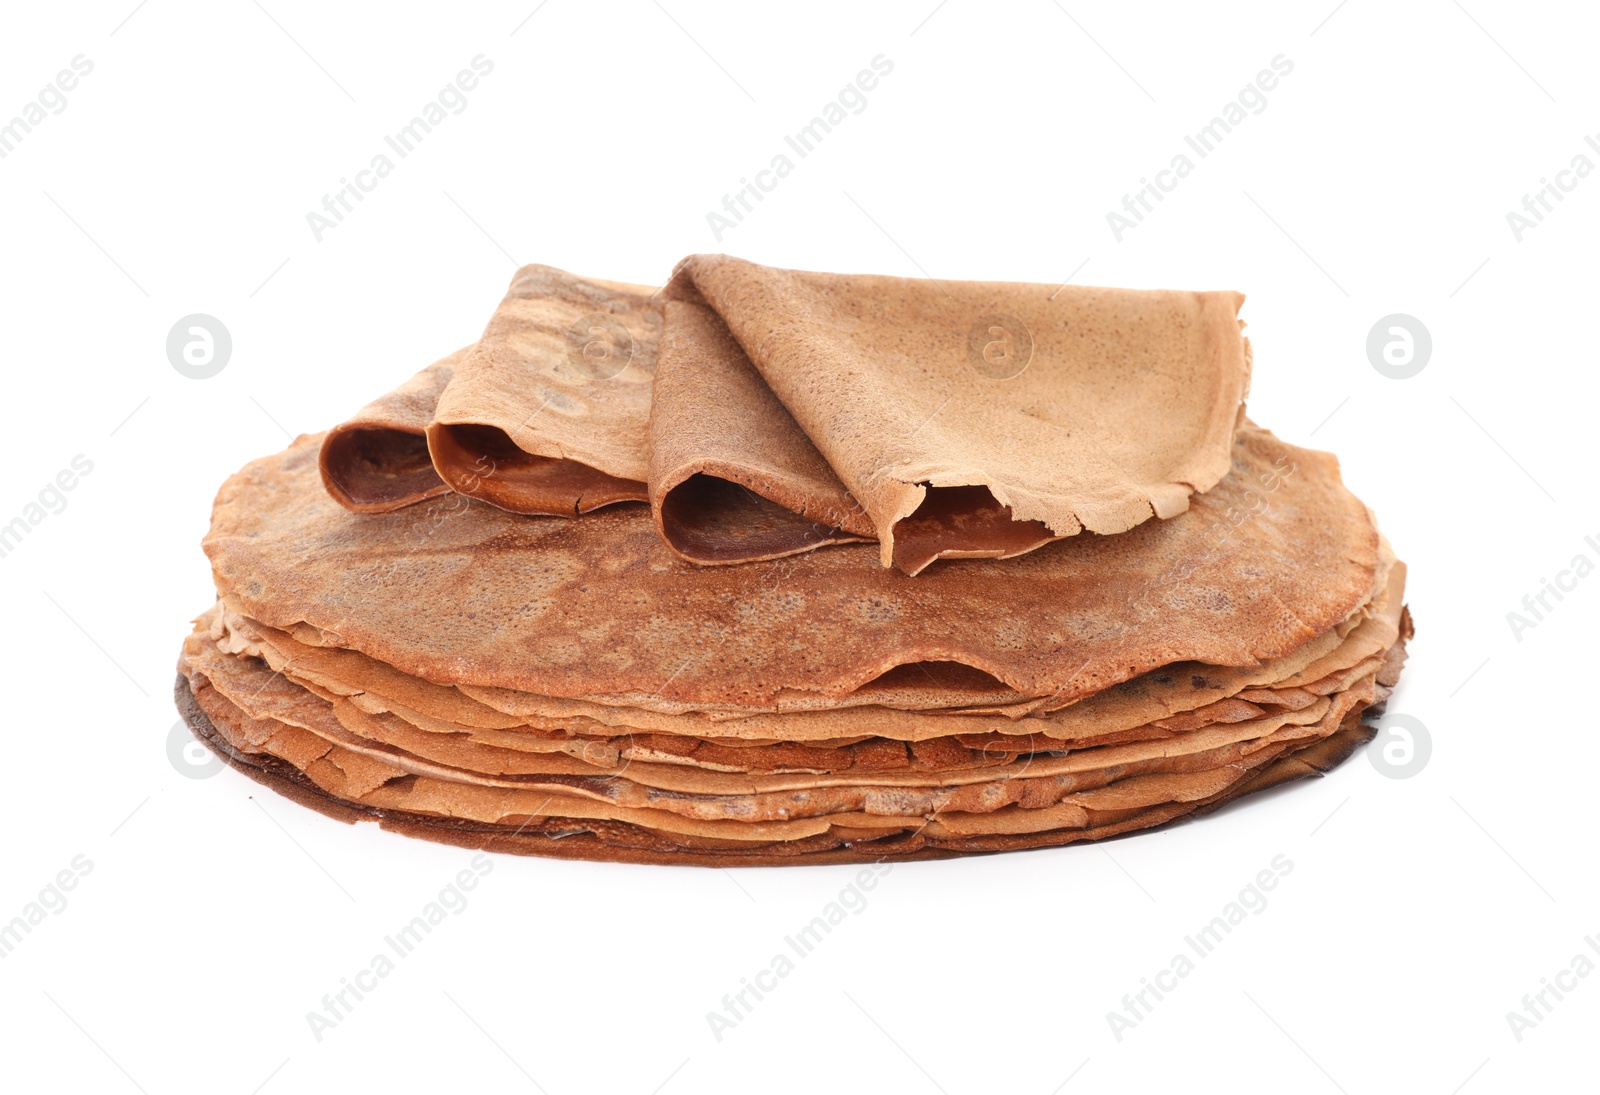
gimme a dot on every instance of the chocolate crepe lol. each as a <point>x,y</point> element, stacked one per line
<point>485,667</point>
<point>547,413</point>
<point>378,460</point>
<point>733,477</point>
<point>982,784</point>
<point>1177,697</point>
<point>600,609</point>
<point>303,707</point>
<point>984,419</point>
<point>564,827</point>
<point>795,410</point>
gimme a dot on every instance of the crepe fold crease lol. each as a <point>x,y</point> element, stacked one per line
<point>765,412</point>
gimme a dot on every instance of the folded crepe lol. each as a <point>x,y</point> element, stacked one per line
<point>378,460</point>
<point>546,414</point>
<point>787,411</point>
<point>733,477</point>
<point>976,419</point>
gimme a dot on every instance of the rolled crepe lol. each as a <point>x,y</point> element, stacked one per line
<point>547,414</point>
<point>981,419</point>
<point>378,460</point>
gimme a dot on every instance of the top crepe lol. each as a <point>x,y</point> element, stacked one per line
<point>765,412</point>
<point>598,608</point>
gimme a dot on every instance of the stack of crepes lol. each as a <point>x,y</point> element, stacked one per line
<point>773,567</point>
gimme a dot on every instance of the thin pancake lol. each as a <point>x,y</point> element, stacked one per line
<point>733,478</point>
<point>378,460</point>
<point>1173,692</point>
<point>547,413</point>
<point>984,419</point>
<point>600,609</point>
<point>1032,781</point>
<point>573,838</point>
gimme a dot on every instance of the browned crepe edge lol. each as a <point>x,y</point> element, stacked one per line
<point>1030,782</point>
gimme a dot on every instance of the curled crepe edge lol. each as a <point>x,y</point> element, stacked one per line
<point>733,478</point>
<point>378,460</point>
<point>980,518</point>
<point>756,517</point>
<point>481,442</point>
<point>485,462</point>
<point>376,468</point>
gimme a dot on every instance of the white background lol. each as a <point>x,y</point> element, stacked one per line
<point>1377,180</point>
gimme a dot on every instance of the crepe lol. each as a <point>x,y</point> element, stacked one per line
<point>598,609</point>
<point>358,738</point>
<point>262,691</point>
<point>547,413</point>
<point>563,827</point>
<point>981,782</point>
<point>799,410</point>
<point>1148,706</point>
<point>330,748</point>
<point>378,459</point>
<point>985,419</point>
<point>356,751</point>
<point>733,478</point>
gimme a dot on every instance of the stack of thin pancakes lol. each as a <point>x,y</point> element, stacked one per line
<point>402,633</point>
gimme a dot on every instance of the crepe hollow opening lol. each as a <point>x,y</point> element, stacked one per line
<point>937,675</point>
<point>711,520</point>
<point>378,469</point>
<point>963,523</point>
